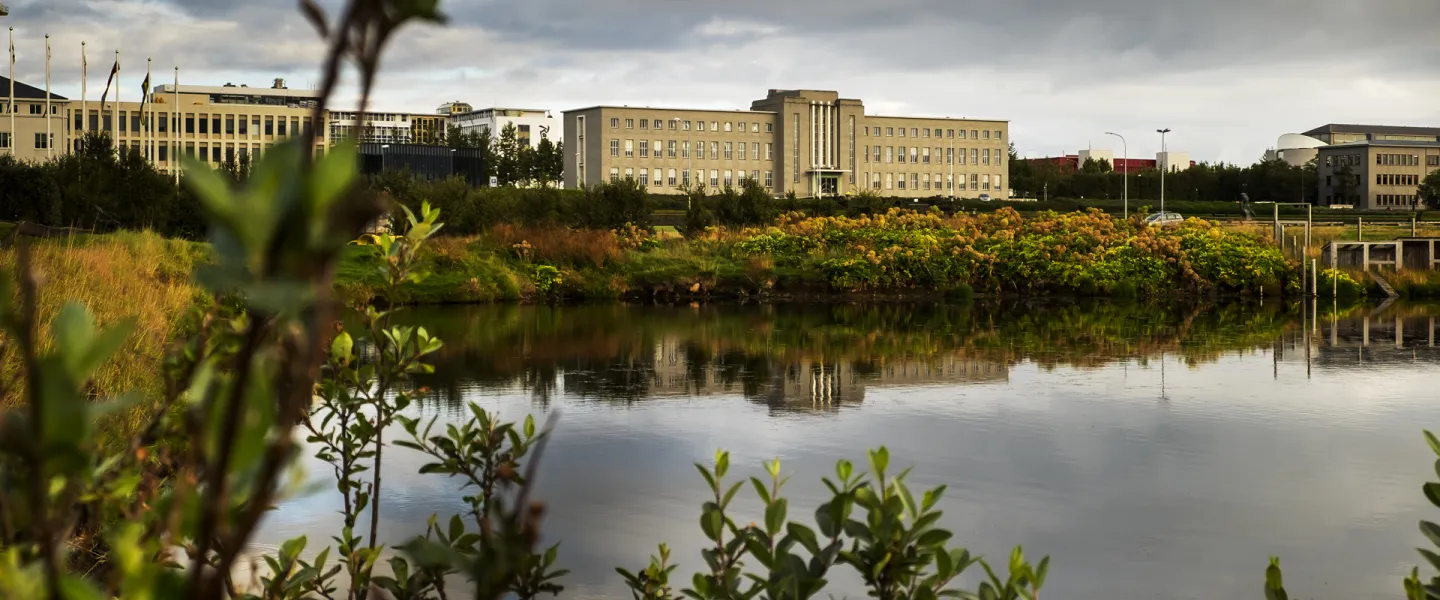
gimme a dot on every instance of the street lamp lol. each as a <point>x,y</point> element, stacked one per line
<point>452,162</point>
<point>1164,151</point>
<point>382,157</point>
<point>1125,149</point>
<point>688,164</point>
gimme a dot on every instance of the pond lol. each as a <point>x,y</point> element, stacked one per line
<point>1152,452</point>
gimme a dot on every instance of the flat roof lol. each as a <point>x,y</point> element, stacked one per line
<point>938,118</point>
<point>169,88</point>
<point>714,110</point>
<point>1388,143</point>
<point>1375,129</point>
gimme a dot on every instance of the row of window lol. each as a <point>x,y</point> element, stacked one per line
<point>42,142</point>
<point>1342,160</point>
<point>1396,179</point>
<point>205,124</point>
<point>681,149</point>
<point>683,125</point>
<point>1398,160</point>
<point>1396,199</point>
<point>938,182</point>
<point>37,108</point>
<point>916,155</point>
<point>915,132</point>
<point>681,178</point>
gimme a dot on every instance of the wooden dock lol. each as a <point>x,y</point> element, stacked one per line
<point>1398,254</point>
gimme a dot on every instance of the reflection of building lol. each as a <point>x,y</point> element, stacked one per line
<point>1376,339</point>
<point>809,381</point>
<point>810,142</point>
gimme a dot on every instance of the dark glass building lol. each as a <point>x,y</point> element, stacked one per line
<point>425,162</point>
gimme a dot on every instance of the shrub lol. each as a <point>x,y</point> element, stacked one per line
<point>558,245</point>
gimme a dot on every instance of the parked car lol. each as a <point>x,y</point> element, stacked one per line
<point>1164,218</point>
<point>985,197</point>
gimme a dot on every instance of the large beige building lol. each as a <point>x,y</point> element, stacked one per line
<point>29,140</point>
<point>1383,175</point>
<point>810,142</point>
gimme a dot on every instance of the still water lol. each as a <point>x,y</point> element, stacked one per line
<point>1152,452</point>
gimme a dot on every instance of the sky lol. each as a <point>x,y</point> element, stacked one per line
<point>1228,77</point>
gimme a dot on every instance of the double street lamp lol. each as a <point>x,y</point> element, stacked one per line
<point>1165,167</point>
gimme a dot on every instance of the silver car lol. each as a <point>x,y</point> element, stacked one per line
<point>1164,218</point>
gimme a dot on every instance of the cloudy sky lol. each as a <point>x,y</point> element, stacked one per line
<point>1228,76</point>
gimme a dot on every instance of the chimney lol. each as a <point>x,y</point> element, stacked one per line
<point>279,83</point>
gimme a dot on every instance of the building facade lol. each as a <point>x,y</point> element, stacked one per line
<point>810,142</point>
<point>35,137</point>
<point>1371,175</point>
<point>386,128</point>
<point>531,124</point>
<point>1335,133</point>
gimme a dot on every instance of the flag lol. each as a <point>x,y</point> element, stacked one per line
<point>113,70</point>
<point>144,95</point>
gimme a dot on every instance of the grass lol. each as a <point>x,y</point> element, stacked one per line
<point>137,275</point>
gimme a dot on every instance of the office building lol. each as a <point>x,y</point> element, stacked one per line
<point>810,142</point>
<point>1297,149</point>
<point>387,128</point>
<point>1378,174</point>
<point>30,141</point>
<point>1172,162</point>
<point>531,124</point>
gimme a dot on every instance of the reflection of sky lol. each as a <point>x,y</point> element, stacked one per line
<point>1131,494</point>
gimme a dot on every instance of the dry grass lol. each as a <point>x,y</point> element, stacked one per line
<point>123,275</point>
<point>558,245</point>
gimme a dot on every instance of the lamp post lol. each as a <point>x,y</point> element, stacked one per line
<point>1166,153</point>
<point>382,157</point>
<point>1125,149</point>
<point>688,164</point>
<point>452,162</point>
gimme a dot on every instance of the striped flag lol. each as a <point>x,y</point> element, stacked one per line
<point>113,70</point>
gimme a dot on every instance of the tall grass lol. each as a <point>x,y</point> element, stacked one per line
<point>557,245</point>
<point>137,275</point>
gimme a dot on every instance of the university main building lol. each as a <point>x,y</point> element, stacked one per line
<point>809,142</point>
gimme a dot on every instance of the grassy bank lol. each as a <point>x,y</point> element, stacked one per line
<point>902,252</point>
<point>141,276</point>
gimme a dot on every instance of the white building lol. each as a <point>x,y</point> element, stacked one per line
<point>531,124</point>
<point>383,128</point>
<point>1172,161</point>
<point>1295,149</point>
<point>1097,155</point>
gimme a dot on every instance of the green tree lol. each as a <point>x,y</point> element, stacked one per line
<point>508,159</point>
<point>1429,191</point>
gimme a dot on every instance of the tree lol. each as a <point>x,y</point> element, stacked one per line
<point>540,171</point>
<point>1429,191</point>
<point>1344,185</point>
<point>507,156</point>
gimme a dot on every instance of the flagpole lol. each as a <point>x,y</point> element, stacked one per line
<point>84,107</point>
<point>149,134</point>
<point>11,105</point>
<point>115,112</point>
<point>175,131</point>
<point>49,135</point>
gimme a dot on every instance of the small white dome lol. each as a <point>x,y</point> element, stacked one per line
<point>1293,141</point>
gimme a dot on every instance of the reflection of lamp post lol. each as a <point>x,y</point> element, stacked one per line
<point>1125,149</point>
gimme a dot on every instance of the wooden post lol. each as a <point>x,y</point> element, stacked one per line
<point>1365,257</point>
<point>1359,229</point>
<point>1412,224</point>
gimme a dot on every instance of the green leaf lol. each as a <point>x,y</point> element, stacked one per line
<point>1432,492</point>
<point>1431,531</point>
<point>706,474</point>
<point>334,174</point>
<point>457,527</point>
<point>879,460</point>
<point>725,501</point>
<point>843,469</point>
<point>1433,441</point>
<point>1041,571</point>
<point>722,463</point>
<point>710,523</point>
<point>775,516</point>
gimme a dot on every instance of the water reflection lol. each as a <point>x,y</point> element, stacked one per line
<point>1155,452</point>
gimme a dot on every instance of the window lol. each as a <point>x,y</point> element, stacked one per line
<point>890,181</point>
<point>974,135</point>
<point>699,149</point>
<point>614,147</point>
<point>644,123</point>
<point>1432,160</point>
<point>914,155</point>
<point>715,126</point>
<point>79,122</point>
<point>4,139</point>
<point>685,126</point>
<point>630,173</point>
<point>280,127</point>
<point>741,154</point>
<point>925,181</point>
<point>645,149</point>
<point>985,157</point>
<point>875,181</point>
<point>889,132</point>
<point>950,182</point>
<point>769,128</point>
<point>915,181</point>
<point>949,156</point>
<point>229,124</point>
<point>889,154</point>
<point>877,154</point>
<point>974,156</point>
<point>867,131</point>
<point>901,153</point>
<point>670,149</point>
<point>164,151</point>
<point>769,179</point>
<point>926,134</point>
<point>925,158</point>
<point>998,136</point>
<point>685,149</point>
<point>769,151</point>
<point>685,177</point>
<point>754,128</point>
<point>670,178</point>
<point>755,150</point>
<point>939,133</point>
<point>215,153</point>
<point>715,150</point>
<point>975,182</point>
<point>614,173</point>
<point>673,124</point>
<point>37,109</point>
<point>902,132</point>
<point>728,150</point>
<point>987,136</point>
<point>658,124</point>
<point>243,129</point>
<point>714,178</point>
<point>656,178</point>
<point>901,183</point>
<point>215,125</point>
<point>42,142</point>
<point>962,134</point>
<point>949,133</point>
<point>740,127</point>
<point>867,154</point>
<point>630,148</point>
<point>659,148</point>
<point>997,184</point>
<point>727,127</point>
<point>269,125</point>
<point>614,124</point>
